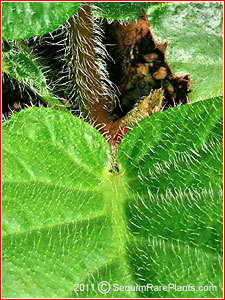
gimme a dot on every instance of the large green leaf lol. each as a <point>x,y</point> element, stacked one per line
<point>194,31</point>
<point>173,163</point>
<point>22,20</point>
<point>67,219</point>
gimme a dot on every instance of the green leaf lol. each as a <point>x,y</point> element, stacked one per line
<point>25,68</point>
<point>59,175</point>
<point>68,220</point>
<point>25,71</point>
<point>22,20</point>
<point>173,163</point>
<point>194,31</point>
<point>128,11</point>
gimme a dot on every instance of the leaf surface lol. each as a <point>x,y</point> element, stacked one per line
<point>24,68</point>
<point>67,219</point>
<point>173,165</point>
<point>128,11</point>
<point>22,20</point>
<point>25,71</point>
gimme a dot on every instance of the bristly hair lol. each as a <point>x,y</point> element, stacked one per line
<point>73,71</point>
<point>86,57</point>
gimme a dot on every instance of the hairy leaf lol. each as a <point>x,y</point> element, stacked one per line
<point>128,11</point>
<point>22,20</point>
<point>25,68</point>
<point>25,71</point>
<point>67,219</point>
<point>173,164</point>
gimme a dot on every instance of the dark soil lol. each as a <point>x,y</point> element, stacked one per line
<point>137,59</point>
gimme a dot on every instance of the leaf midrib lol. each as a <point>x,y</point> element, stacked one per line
<point>116,193</point>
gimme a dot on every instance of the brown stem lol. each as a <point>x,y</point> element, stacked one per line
<point>85,69</point>
<point>87,75</point>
